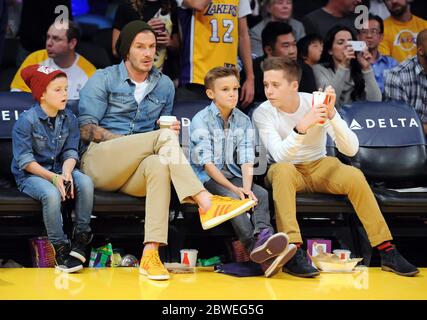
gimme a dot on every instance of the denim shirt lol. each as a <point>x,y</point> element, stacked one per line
<point>209,144</point>
<point>35,139</point>
<point>107,100</point>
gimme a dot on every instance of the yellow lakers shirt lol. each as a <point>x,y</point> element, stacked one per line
<point>400,37</point>
<point>210,38</point>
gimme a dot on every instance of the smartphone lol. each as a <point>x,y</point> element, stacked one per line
<point>67,185</point>
<point>357,45</point>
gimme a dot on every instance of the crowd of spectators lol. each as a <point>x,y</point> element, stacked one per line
<point>194,36</point>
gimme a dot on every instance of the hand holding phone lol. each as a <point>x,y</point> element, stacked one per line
<point>67,186</point>
<point>357,45</point>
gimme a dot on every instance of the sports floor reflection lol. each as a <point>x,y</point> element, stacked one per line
<point>126,283</point>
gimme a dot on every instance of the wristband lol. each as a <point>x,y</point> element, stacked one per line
<point>54,179</point>
<point>297,132</point>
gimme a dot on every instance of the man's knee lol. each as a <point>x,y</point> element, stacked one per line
<point>281,171</point>
<point>153,165</point>
<point>166,135</point>
<point>355,176</point>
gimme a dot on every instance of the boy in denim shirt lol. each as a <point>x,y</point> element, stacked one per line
<point>220,133</point>
<point>45,144</point>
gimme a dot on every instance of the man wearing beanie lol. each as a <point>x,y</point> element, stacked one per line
<point>119,110</point>
<point>45,143</point>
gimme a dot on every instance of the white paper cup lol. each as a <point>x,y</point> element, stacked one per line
<point>166,121</point>
<point>189,257</point>
<point>344,255</point>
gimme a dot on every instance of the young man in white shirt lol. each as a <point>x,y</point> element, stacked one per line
<point>295,142</point>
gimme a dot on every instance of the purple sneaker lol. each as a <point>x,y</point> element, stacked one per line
<point>269,246</point>
<point>273,265</point>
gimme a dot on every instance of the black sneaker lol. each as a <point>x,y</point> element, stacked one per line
<point>79,243</point>
<point>393,261</point>
<point>300,267</point>
<point>65,262</point>
<point>273,265</point>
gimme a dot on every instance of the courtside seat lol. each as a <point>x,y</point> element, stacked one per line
<point>12,201</point>
<point>393,201</point>
<point>306,202</point>
<point>110,203</point>
<point>15,203</point>
<point>392,153</point>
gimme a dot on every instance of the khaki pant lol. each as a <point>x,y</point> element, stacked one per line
<point>143,165</point>
<point>327,175</point>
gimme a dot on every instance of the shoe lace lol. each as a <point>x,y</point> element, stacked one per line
<point>62,249</point>
<point>300,256</point>
<point>154,260</point>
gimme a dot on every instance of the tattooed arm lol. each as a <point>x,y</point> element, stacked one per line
<point>92,132</point>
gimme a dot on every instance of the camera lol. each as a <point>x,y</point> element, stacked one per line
<point>357,45</point>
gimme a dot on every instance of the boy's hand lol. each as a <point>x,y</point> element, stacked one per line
<point>58,182</point>
<point>330,91</point>
<point>251,195</point>
<point>317,114</point>
<point>242,192</point>
<point>69,189</point>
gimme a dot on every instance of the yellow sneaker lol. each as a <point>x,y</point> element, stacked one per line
<point>152,267</point>
<point>223,209</point>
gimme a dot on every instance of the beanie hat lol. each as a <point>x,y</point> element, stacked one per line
<point>128,33</point>
<point>37,78</point>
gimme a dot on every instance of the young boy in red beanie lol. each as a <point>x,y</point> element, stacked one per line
<point>45,152</point>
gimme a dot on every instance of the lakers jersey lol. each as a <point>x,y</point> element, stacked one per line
<point>400,37</point>
<point>210,39</point>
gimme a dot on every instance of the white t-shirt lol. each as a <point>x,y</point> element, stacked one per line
<point>140,88</point>
<point>276,131</point>
<point>78,73</point>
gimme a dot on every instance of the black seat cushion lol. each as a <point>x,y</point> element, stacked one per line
<point>322,202</point>
<point>12,201</point>
<point>115,202</point>
<point>391,200</point>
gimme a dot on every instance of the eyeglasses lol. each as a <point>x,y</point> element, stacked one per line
<point>374,32</point>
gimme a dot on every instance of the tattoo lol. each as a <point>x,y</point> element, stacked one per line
<point>92,132</point>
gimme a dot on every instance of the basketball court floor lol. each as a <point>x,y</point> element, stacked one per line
<point>126,284</point>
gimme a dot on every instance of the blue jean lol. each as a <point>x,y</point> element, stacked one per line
<point>246,227</point>
<point>41,189</point>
